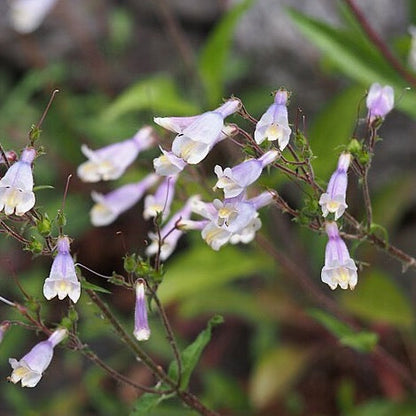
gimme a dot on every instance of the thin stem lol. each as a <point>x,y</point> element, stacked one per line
<point>367,199</point>
<point>45,112</point>
<point>126,338</point>
<point>170,335</point>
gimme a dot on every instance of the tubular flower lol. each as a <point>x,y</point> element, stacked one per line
<point>16,186</point>
<point>333,200</point>
<point>168,164</point>
<point>273,124</point>
<point>339,268</point>
<point>380,101</point>
<point>161,201</point>
<point>108,207</point>
<point>110,162</point>
<point>27,15</point>
<point>141,326</point>
<point>171,232</point>
<point>233,220</point>
<point>30,368</point>
<point>235,180</point>
<point>197,135</point>
<point>62,280</point>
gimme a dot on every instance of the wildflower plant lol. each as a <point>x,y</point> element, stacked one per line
<point>219,179</point>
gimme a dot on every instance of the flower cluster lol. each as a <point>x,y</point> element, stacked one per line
<point>339,268</point>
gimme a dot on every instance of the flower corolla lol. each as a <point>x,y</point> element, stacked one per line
<point>380,101</point>
<point>30,368</point>
<point>110,162</point>
<point>141,325</point>
<point>273,124</point>
<point>16,186</point>
<point>235,180</point>
<point>109,206</point>
<point>333,200</point>
<point>62,280</point>
<point>339,268</point>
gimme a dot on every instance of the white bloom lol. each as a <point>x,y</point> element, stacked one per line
<point>30,368</point>
<point>168,164</point>
<point>273,124</point>
<point>27,15</point>
<point>16,186</point>
<point>339,268</point>
<point>161,201</point>
<point>62,280</point>
<point>110,162</point>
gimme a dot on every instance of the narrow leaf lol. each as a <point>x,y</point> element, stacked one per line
<point>192,353</point>
<point>214,57</point>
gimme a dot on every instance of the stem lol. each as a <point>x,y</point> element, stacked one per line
<point>170,336</point>
<point>380,44</point>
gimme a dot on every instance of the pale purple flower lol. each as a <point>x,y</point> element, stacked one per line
<point>27,15</point>
<point>161,201</point>
<point>197,135</point>
<point>30,368</point>
<point>333,200</point>
<point>108,207</point>
<point>233,220</point>
<point>62,280</point>
<point>339,268</point>
<point>273,124</point>
<point>380,101</point>
<point>110,162</point>
<point>171,232</point>
<point>168,164</point>
<point>235,180</point>
<point>16,186</point>
<point>141,325</point>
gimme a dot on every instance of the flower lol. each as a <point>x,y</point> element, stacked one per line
<point>141,326</point>
<point>339,268</point>
<point>273,124</point>
<point>380,101</point>
<point>233,220</point>
<point>108,207</point>
<point>161,201</point>
<point>171,232</point>
<point>16,186</point>
<point>30,368</point>
<point>197,135</point>
<point>168,164</point>
<point>235,180</point>
<point>62,280</point>
<point>411,57</point>
<point>27,15</point>
<point>333,200</point>
<point>110,162</point>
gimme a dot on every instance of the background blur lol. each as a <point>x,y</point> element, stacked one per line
<point>117,64</point>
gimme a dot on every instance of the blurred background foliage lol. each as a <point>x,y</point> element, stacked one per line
<point>278,351</point>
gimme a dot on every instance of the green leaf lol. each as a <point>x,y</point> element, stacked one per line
<point>158,94</point>
<point>146,403</point>
<point>378,299</point>
<point>201,268</point>
<point>214,57</point>
<point>383,408</point>
<point>191,354</point>
<point>338,118</point>
<point>95,288</point>
<point>275,373</point>
<point>355,57</point>
<point>362,341</point>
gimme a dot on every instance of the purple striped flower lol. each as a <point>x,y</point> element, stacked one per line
<point>333,200</point>
<point>30,368</point>
<point>339,268</point>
